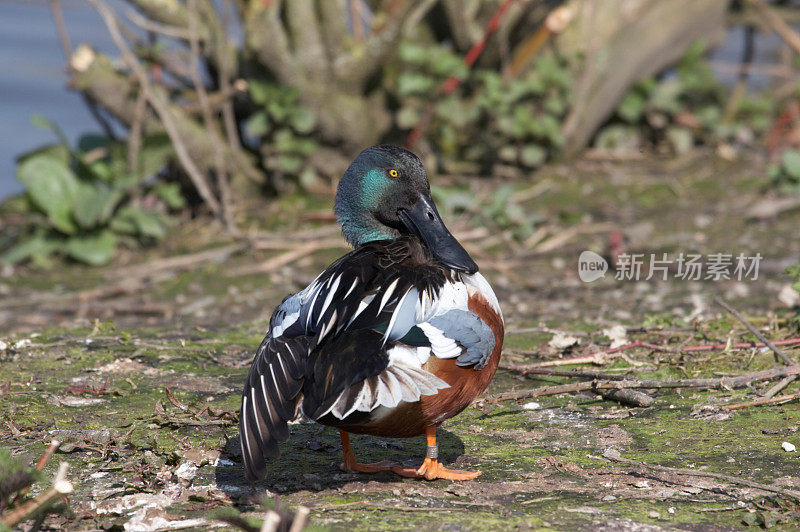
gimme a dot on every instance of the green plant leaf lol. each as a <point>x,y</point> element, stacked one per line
<point>52,187</point>
<point>94,203</point>
<point>631,107</point>
<point>37,247</point>
<point>57,151</point>
<point>94,249</point>
<point>259,91</point>
<point>533,155</point>
<point>45,123</point>
<point>409,83</point>
<point>302,120</point>
<point>257,125</point>
<point>134,220</point>
<point>790,160</point>
<point>122,225</point>
<point>171,194</point>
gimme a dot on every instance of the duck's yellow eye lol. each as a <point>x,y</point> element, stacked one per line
<point>393,172</point>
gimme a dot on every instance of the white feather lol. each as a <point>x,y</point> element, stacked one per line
<point>441,345</point>
<point>393,385</point>
<point>352,287</point>
<point>332,286</point>
<point>388,294</point>
<point>476,282</point>
<point>364,303</point>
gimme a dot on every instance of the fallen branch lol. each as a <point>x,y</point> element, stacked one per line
<point>548,330</point>
<point>61,486</point>
<point>300,518</point>
<point>536,370</point>
<point>740,381</point>
<point>283,259</point>
<point>190,260</point>
<point>602,356</point>
<point>755,331</point>
<point>47,454</point>
<point>628,397</point>
<point>763,401</point>
<point>614,456</point>
<point>786,381</point>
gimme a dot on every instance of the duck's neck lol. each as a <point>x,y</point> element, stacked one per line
<point>359,230</point>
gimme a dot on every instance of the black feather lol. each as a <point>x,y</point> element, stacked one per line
<point>300,368</point>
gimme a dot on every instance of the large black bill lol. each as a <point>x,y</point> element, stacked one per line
<point>423,220</point>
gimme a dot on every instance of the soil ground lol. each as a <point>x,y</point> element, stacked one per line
<point>137,368</point>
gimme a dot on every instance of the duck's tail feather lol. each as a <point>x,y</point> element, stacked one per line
<point>271,398</point>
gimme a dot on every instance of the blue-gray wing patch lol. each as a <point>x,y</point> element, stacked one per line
<point>460,333</point>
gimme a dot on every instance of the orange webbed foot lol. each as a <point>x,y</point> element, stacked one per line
<point>432,469</point>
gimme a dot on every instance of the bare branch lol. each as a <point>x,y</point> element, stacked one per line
<point>169,12</point>
<point>268,40</point>
<point>155,27</point>
<point>158,103</point>
<point>208,118</point>
<point>304,28</point>
<point>755,331</point>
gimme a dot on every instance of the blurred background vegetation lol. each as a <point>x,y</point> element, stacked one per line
<point>225,105</point>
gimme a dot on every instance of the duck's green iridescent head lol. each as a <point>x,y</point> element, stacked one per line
<point>385,194</point>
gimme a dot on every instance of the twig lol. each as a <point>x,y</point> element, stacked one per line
<point>47,454</point>
<point>601,356</point>
<point>194,173</point>
<point>190,260</point>
<point>628,397</point>
<point>535,370</point>
<point>753,330</point>
<point>614,456</point>
<point>225,74</point>
<point>527,330</point>
<point>61,486</point>
<point>42,462</point>
<point>786,381</point>
<point>555,22</point>
<point>283,259</point>
<point>763,401</point>
<point>271,521</point>
<point>776,23</point>
<point>156,27</point>
<point>66,48</point>
<point>61,29</point>
<point>740,381</point>
<point>208,119</point>
<point>135,134</point>
<point>738,345</point>
<point>300,518</point>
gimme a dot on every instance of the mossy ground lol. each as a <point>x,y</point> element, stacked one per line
<point>142,386</point>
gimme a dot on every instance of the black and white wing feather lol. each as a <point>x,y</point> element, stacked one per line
<point>356,338</point>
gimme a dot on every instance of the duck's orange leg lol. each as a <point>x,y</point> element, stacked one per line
<point>350,463</point>
<point>431,469</point>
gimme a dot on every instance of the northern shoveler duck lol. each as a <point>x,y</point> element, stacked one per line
<point>391,339</point>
